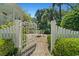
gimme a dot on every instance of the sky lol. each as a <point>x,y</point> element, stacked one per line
<point>31,8</point>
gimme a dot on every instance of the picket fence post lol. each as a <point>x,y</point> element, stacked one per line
<point>18,33</point>
<point>53,34</point>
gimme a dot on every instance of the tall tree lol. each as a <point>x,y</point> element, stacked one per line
<point>58,6</point>
<point>44,18</point>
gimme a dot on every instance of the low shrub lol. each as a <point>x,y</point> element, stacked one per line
<point>7,48</point>
<point>6,25</point>
<point>67,47</point>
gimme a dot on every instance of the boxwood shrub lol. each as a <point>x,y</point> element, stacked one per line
<point>66,47</point>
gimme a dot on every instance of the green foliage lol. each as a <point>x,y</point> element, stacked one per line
<point>71,21</point>
<point>7,47</point>
<point>59,12</point>
<point>8,24</point>
<point>49,41</point>
<point>1,42</point>
<point>24,30</point>
<point>67,47</point>
<point>26,17</point>
<point>43,17</point>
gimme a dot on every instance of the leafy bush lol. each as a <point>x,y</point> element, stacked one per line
<point>25,30</point>
<point>8,24</point>
<point>49,41</point>
<point>47,31</point>
<point>7,48</point>
<point>71,21</point>
<point>67,47</point>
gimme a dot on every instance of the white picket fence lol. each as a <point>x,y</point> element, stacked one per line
<point>13,32</point>
<point>66,33</point>
<point>59,32</point>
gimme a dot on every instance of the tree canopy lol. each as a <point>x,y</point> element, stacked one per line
<point>44,17</point>
<point>26,17</point>
<point>71,21</point>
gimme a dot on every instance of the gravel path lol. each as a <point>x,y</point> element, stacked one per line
<point>41,46</point>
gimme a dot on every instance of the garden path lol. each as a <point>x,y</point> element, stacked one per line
<point>41,46</point>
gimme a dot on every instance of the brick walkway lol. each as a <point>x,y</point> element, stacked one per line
<point>41,46</point>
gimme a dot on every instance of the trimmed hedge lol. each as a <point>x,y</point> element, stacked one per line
<point>7,48</point>
<point>67,47</point>
<point>71,21</point>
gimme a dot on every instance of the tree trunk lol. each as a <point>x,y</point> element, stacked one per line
<point>60,11</point>
<point>53,5</point>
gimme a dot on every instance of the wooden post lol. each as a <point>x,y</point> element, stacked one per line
<point>53,34</point>
<point>18,32</point>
